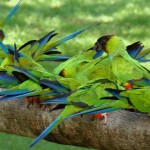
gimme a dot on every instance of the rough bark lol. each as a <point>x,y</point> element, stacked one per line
<point>124,131</point>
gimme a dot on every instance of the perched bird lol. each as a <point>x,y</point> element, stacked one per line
<point>32,52</point>
<point>27,72</point>
<point>9,77</point>
<point>90,65</point>
<point>45,50</point>
<point>123,67</point>
<point>139,98</point>
<point>103,68</point>
<point>24,89</point>
<point>14,57</point>
<point>103,104</point>
<point>81,100</point>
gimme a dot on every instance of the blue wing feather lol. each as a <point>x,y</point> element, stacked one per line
<point>70,36</point>
<point>11,13</point>
<point>45,132</point>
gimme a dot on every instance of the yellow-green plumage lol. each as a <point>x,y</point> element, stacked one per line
<point>81,100</point>
<point>123,66</point>
<point>140,98</point>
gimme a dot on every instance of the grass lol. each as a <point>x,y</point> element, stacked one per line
<point>126,18</point>
<point>14,142</point>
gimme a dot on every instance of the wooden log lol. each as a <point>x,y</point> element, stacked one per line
<point>124,131</point>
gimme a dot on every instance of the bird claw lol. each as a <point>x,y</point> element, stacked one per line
<point>32,100</point>
<point>100,116</point>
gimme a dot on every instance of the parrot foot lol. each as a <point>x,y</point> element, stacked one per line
<point>100,116</point>
<point>32,100</point>
<point>44,106</point>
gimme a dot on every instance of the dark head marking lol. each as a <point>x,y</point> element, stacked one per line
<point>101,43</point>
<point>62,73</point>
<point>2,35</point>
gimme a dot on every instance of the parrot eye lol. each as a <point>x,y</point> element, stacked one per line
<point>103,41</point>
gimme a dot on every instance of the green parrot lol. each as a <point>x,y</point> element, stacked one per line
<point>14,57</point>
<point>8,74</point>
<point>39,50</point>
<point>90,65</point>
<point>81,101</point>
<point>123,66</point>
<point>27,89</point>
<point>25,70</point>
<point>45,50</point>
<point>139,97</point>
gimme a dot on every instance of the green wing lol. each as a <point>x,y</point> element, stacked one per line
<point>140,98</point>
<point>126,69</point>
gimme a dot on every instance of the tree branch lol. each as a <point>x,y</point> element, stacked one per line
<point>124,130</point>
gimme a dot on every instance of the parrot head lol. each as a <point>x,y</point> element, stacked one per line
<point>111,44</point>
<point>2,35</point>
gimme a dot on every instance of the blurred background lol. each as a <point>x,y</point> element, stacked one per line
<point>129,19</point>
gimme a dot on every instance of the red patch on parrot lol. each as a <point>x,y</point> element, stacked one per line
<point>34,99</point>
<point>128,86</point>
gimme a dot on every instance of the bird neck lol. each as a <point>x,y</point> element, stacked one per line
<point>115,46</point>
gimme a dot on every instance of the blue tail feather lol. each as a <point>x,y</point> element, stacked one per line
<point>115,92</point>
<point>142,59</point>
<point>134,49</point>
<point>4,48</point>
<point>42,43</point>
<point>25,71</point>
<point>7,78</point>
<point>106,110</point>
<point>54,85</point>
<point>57,100</point>
<point>93,109</point>
<point>51,34</point>
<point>53,58</point>
<point>11,13</point>
<point>12,97</point>
<point>70,36</point>
<point>45,132</point>
<point>13,92</point>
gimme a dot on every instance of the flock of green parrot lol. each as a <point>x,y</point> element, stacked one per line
<point>107,77</point>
